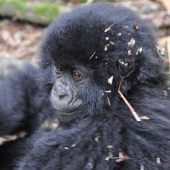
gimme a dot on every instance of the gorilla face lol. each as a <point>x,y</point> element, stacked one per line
<point>66,94</point>
<point>86,53</point>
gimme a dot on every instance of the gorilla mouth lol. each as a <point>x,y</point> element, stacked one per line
<point>65,112</point>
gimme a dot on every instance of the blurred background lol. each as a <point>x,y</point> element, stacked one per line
<point>23,22</point>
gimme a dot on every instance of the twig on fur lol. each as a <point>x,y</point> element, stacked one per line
<point>108,28</point>
<point>92,55</point>
<point>127,103</point>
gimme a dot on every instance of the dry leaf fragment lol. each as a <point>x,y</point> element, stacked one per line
<point>107,91</point>
<point>110,80</point>
<point>73,145</point>
<point>110,156</point>
<point>122,157</point>
<point>108,100</point>
<point>112,43</point>
<point>123,63</point>
<point>129,52</point>
<point>106,47</point>
<point>131,43</point>
<point>92,55</point>
<point>142,167</point>
<point>139,51</point>
<point>109,147</point>
<point>135,26</point>
<point>119,34</point>
<point>158,160</point>
<point>161,51</point>
<point>96,139</point>
<point>54,125</point>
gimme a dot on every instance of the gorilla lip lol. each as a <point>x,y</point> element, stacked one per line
<point>62,112</point>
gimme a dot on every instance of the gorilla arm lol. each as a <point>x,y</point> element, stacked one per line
<point>16,96</point>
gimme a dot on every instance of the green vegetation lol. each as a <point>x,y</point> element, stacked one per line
<point>47,10</point>
<point>2,2</point>
<point>39,12</point>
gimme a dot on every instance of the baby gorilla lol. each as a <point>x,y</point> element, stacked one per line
<point>65,94</point>
<point>100,75</point>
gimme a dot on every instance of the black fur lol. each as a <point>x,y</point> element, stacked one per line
<point>93,141</point>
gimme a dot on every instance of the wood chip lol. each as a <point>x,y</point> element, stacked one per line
<point>110,80</point>
<point>131,43</point>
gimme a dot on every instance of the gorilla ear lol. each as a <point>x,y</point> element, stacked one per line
<point>152,68</point>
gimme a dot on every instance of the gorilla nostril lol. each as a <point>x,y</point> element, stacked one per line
<point>61,90</point>
<point>61,93</point>
<point>62,96</point>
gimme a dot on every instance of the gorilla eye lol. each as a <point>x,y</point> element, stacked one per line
<point>76,75</point>
<point>57,68</point>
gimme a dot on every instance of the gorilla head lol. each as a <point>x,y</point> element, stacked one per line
<point>85,49</point>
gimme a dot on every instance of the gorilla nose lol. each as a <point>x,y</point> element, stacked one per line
<point>61,90</point>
